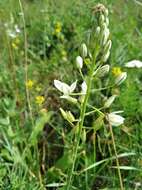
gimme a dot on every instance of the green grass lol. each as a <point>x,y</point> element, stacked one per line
<point>36,143</point>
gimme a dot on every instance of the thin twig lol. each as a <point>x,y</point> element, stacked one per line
<point>26,62</point>
<point>117,161</point>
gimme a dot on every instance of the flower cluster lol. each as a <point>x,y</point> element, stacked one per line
<point>95,54</point>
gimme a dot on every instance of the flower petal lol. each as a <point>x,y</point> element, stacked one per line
<point>73,86</point>
<point>58,85</point>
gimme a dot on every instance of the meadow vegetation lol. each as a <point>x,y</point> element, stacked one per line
<point>70,99</point>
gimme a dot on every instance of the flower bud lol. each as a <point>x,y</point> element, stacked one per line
<point>106,12</point>
<point>102,19</point>
<point>79,62</point>
<point>105,35</point>
<point>98,29</point>
<point>109,101</point>
<point>84,87</point>
<point>120,78</point>
<point>107,21</point>
<point>67,115</point>
<point>108,46</point>
<point>114,119</point>
<point>64,114</point>
<point>70,117</point>
<point>102,71</point>
<point>83,50</point>
<point>105,57</point>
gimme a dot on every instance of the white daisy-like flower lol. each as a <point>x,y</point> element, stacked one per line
<point>134,64</point>
<point>66,90</point>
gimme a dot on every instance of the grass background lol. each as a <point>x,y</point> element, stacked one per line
<point>31,157</point>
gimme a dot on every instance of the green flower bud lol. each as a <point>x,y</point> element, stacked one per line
<point>121,78</point>
<point>83,50</point>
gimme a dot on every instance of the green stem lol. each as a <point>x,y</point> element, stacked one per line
<point>80,126</point>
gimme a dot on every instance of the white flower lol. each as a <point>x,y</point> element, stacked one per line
<point>17,29</point>
<point>121,78</point>
<point>115,120</point>
<point>79,62</point>
<point>109,101</point>
<point>84,87</point>
<point>134,63</point>
<point>65,88</point>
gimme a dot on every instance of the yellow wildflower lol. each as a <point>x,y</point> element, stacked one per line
<point>58,28</point>
<point>116,71</point>
<point>15,43</point>
<point>14,46</point>
<point>39,100</point>
<point>29,84</point>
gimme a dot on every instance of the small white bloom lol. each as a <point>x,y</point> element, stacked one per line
<point>134,63</point>
<point>65,88</point>
<point>79,62</point>
<point>121,78</point>
<point>109,101</point>
<point>115,120</point>
<point>84,87</point>
<point>17,29</point>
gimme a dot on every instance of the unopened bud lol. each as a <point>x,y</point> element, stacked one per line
<point>98,29</point>
<point>105,35</point>
<point>109,101</point>
<point>121,78</point>
<point>107,21</point>
<point>105,57</point>
<point>70,117</point>
<point>83,136</point>
<point>64,114</point>
<point>102,19</point>
<point>108,46</point>
<point>79,62</point>
<point>83,50</point>
<point>67,115</point>
<point>102,71</point>
<point>106,12</point>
